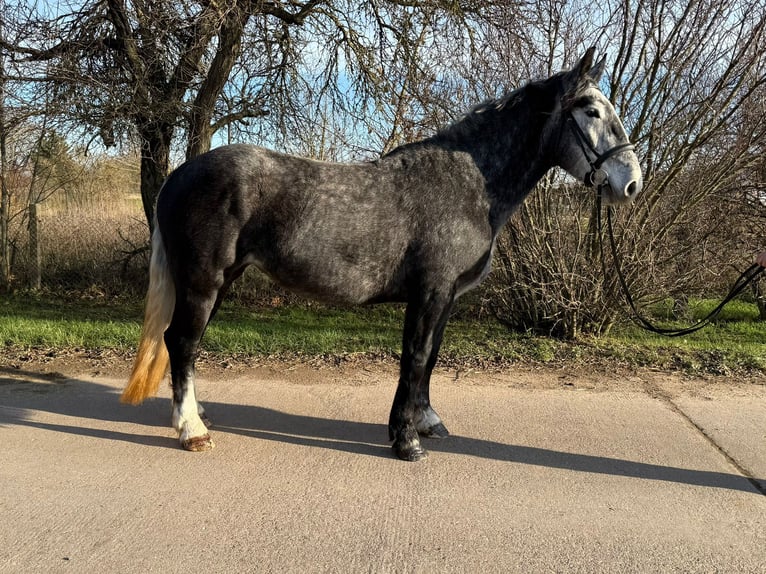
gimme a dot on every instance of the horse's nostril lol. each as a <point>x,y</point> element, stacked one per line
<point>632,189</point>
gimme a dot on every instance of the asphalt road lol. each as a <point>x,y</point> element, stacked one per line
<point>545,472</point>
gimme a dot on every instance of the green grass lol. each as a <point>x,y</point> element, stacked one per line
<point>736,340</point>
<point>303,330</point>
<point>736,343</point>
<point>35,322</point>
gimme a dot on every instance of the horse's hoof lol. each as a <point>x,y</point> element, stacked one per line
<point>410,452</point>
<point>198,443</point>
<point>436,431</point>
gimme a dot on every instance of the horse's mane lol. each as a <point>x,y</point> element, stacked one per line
<point>492,109</point>
<point>474,115</point>
<point>534,100</point>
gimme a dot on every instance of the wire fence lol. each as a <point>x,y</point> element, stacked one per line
<point>99,247</point>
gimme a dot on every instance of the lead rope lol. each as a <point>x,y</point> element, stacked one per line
<point>742,281</point>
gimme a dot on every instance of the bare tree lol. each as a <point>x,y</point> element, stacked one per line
<point>685,77</point>
<point>19,106</point>
<point>164,69</point>
<point>5,271</point>
<point>141,66</point>
<point>689,85</point>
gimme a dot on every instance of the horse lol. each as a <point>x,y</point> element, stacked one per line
<point>416,226</point>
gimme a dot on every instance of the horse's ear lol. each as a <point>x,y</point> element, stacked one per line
<point>585,64</point>
<point>597,71</point>
<point>577,76</point>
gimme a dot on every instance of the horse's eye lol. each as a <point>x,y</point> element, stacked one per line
<point>592,113</point>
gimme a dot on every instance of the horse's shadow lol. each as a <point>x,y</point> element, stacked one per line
<point>23,393</point>
<point>28,392</point>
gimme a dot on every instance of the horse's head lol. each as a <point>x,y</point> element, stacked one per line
<point>593,145</point>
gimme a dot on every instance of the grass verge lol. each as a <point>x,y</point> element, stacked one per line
<point>736,343</point>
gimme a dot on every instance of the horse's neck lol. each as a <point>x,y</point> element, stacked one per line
<point>507,145</point>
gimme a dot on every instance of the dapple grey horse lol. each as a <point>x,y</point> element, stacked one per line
<point>416,226</point>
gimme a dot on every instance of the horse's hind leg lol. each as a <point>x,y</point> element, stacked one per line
<point>193,313</point>
<point>182,337</point>
<point>411,413</point>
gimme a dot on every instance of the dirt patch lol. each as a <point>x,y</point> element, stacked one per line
<point>59,364</point>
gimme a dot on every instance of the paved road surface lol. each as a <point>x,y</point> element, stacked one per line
<point>545,472</point>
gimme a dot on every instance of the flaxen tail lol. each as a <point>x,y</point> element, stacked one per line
<point>152,361</point>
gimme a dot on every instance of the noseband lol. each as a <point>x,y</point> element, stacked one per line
<point>597,176</point>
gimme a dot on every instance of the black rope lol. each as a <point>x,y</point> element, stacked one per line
<point>742,281</point>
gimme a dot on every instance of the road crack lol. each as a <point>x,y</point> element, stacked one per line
<point>656,392</point>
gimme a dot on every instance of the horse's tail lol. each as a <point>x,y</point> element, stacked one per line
<point>151,364</point>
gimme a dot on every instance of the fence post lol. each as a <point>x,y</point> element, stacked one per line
<point>5,206</point>
<point>34,248</point>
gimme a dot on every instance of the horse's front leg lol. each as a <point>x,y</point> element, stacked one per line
<point>411,412</point>
<point>427,421</point>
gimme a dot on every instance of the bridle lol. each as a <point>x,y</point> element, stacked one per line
<point>597,176</point>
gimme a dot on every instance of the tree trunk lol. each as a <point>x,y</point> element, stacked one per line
<point>5,211</point>
<point>155,163</point>
<point>229,46</point>
<point>5,196</point>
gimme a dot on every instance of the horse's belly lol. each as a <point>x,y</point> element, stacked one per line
<point>334,278</point>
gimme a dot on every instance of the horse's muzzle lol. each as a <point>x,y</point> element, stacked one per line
<point>626,194</point>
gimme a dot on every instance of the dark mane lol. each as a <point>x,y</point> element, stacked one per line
<point>477,116</point>
<point>538,97</point>
<point>493,115</point>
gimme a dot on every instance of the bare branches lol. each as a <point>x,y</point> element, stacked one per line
<point>688,78</point>
<point>296,18</point>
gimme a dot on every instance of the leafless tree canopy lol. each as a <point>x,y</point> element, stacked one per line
<point>166,71</point>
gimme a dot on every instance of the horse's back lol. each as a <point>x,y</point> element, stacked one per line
<point>334,231</point>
